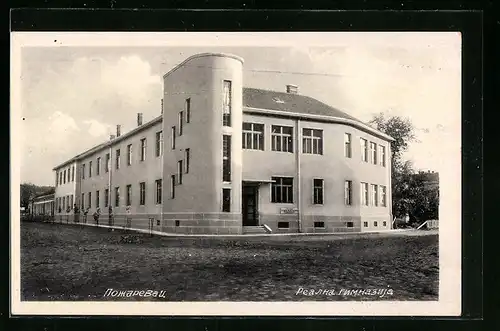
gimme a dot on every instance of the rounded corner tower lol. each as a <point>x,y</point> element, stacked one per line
<point>202,163</point>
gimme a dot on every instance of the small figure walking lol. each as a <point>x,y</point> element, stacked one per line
<point>96,215</point>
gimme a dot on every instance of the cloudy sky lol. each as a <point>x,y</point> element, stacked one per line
<point>73,96</point>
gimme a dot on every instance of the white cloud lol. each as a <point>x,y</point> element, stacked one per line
<point>61,124</point>
<point>96,128</point>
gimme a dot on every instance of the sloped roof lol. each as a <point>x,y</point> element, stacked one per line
<point>289,102</point>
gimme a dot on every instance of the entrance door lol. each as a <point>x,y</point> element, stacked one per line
<point>250,205</point>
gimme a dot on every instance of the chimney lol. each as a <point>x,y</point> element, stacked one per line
<point>139,119</point>
<point>118,130</point>
<point>111,137</point>
<point>292,89</point>
<point>162,105</point>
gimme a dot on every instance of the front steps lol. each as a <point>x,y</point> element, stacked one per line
<point>259,229</point>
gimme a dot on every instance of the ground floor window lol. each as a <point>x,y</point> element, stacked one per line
<point>283,225</point>
<point>319,224</point>
<point>226,200</point>
<point>282,190</point>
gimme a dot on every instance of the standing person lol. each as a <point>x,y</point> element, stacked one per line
<point>96,215</point>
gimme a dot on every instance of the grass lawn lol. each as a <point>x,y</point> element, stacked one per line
<point>69,262</point>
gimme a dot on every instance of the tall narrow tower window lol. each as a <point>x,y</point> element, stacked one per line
<point>226,111</point>
<point>226,158</point>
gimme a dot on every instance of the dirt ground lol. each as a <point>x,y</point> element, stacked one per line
<point>75,263</point>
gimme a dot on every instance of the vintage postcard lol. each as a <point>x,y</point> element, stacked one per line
<point>284,174</point>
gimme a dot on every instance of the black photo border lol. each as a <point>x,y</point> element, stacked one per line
<point>469,22</point>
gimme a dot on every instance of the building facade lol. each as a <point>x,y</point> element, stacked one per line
<point>225,159</point>
<point>43,205</point>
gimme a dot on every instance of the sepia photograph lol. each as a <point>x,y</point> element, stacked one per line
<point>236,173</point>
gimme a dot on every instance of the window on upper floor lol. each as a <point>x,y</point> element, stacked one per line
<point>382,155</point>
<point>143,149</point>
<point>117,159</point>
<point>227,103</point>
<point>159,143</point>
<point>83,171</point>
<point>188,110</point>
<point>312,141</point>
<point>90,169</point>
<point>181,122</point>
<point>108,162</point>
<point>226,158</point>
<point>373,152</point>
<point>364,149</point>
<point>347,145</point>
<point>282,138</point>
<point>253,136</point>
<point>98,166</point>
<point>129,154</point>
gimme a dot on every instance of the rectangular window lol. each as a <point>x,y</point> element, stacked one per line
<point>57,180</point>
<point>180,170</point>
<point>382,156</point>
<point>159,143</point>
<point>226,200</point>
<point>117,159</point>
<point>348,193</point>
<point>364,194</point>
<point>282,138</point>
<point>128,195</point>
<point>73,174</point>
<point>90,200</point>
<point>375,223</point>
<point>69,175</point>
<point>83,171</point>
<point>90,169</point>
<point>172,187</point>
<point>365,224</point>
<point>98,166</point>
<point>373,152</point>
<point>181,122</point>
<point>71,200</point>
<point>282,190</point>
<point>64,177</point>
<point>60,178</point>
<point>97,199</point>
<point>312,141</point>
<point>226,158</point>
<point>383,196</point>
<point>384,223</point>
<point>83,202</point>
<point>106,197</point>
<point>187,157</point>
<point>317,191</point>
<point>158,191</point>
<point>374,200</point>
<point>253,136</point>
<point>173,137</point>
<point>143,149</point>
<point>108,161</point>
<point>129,154</point>
<point>226,108</point>
<point>142,193</point>
<point>117,196</point>
<point>188,110</point>
<point>64,204</point>
<point>347,145</point>
<point>364,149</point>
